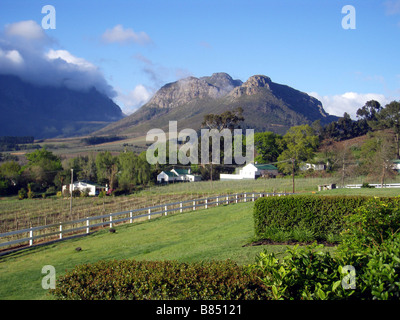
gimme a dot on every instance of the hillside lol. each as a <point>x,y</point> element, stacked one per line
<point>267,105</point>
<point>46,112</point>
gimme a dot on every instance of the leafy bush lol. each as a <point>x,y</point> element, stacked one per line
<point>320,215</point>
<point>22,194</point>
<point>370,225</point>
<point>371,245</point>
<point>304,273</point>
<point>151,280</point>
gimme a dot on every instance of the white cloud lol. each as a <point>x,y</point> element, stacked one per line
<point>123,36</point>
<point>26,29</point>
<point>348,102</point>
<point>11,56</point>
<point>69,58</point>
<point>25,52</point>
<point>131,101</point>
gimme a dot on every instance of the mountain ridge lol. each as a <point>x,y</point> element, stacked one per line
<point>266,105</point>
<point>48,112</point>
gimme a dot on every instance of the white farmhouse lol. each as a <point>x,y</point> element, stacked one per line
<point>252,171</point>
<point>177,175</point>
<point>84,185</point>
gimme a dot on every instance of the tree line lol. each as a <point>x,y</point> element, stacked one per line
<point>46,173</point>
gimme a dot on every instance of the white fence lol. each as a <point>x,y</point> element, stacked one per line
<point>82,226</point>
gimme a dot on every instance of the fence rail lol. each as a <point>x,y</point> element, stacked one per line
<point>83,226</point>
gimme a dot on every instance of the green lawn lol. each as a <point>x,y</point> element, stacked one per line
<point>217,233</point>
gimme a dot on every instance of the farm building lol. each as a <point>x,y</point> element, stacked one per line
<point>179,175</point>
<point>252,171</point>
<point>84,185</point>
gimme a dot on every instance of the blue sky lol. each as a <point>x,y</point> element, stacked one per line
<point>135,47</point>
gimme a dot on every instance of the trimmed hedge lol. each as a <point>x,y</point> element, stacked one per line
<point>154,280</point>
<point>321,215</point>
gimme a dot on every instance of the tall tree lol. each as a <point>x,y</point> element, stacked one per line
<point>226,120</point>
<point>299,143</point>
<point>42,167</point>
<point>378,153</point>
<point>268,146</point>
<point>389,117</point>
<point>107,168</point>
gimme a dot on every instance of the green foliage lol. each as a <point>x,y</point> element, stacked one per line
<point>107,168</point>
<point>370,225</point>
<point>299,143</point>
<point>268,146</point>
<point>99,140</point>
<point>22,194</point>
<point>304,273</point>
<point>319,215</point>
<point>154,280</point>
<point>310,274</point>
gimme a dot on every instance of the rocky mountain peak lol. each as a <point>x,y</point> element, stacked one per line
<point>258,81</point>
<point>185,90</point>
<point>252,86</point>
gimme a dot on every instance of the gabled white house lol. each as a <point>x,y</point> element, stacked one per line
<point>165,177</point>
<point>84,185</point>
<point>252,171</point>
<point>177,175</point>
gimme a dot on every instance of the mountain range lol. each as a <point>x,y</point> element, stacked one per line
<point>266,105</point>
<point>49,111</point>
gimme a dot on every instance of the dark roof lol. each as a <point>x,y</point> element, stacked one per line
<point>182,171</point>
<point>265,167</point>
<point>169,173</point>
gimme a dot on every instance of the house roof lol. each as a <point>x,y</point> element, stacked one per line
<point>89,182</point>
<point>181,171</point>
<point>169,173</point>
<point>265,167</point>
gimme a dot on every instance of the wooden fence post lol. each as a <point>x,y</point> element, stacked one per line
<point>130,216</point>
<point>180,205</point>
<point>165,210</point>
<point>206,204</point>
<point>149,213</point>
<point>194,204</point>
<point>111,224</point>
<point>61,230</point>
<point>87,225</point>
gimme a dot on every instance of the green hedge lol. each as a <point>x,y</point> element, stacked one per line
<point>153,280</point>
<point>321,215</point>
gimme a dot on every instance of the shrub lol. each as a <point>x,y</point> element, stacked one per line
<point>303,274</point>
<point>370,225</point>
<point>370,244</point>
<point>22,194</point>
<point>153,280</point>
<point>302,234</point>
<point>320,215</point>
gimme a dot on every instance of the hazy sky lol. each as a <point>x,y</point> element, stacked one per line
<point>129,49</point>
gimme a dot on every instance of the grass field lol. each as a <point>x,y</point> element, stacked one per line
<point>16,214</point>
<point>217,233</point>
